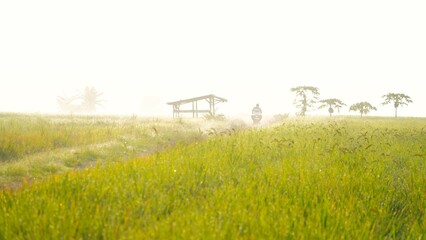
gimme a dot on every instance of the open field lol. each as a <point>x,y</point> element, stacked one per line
<point>35,146</point>
<point>303,178</point>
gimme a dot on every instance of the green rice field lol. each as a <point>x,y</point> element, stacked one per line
<point>130,178</point>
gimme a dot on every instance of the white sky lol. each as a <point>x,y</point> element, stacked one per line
<point>142,54</point>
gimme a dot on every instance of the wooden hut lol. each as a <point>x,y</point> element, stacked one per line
<point>211,99</point>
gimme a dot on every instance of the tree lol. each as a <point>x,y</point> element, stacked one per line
<point>67,104</point>
<point>331,103</point>
<point>398,100</point>
<point>90,99</point>
<point>85,102</point>
<point>362,107</point>
<point>306,97</point>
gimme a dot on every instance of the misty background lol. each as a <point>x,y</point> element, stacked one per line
<point>142,54</point>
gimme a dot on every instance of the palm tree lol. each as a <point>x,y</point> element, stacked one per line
<point>67,104</point>
<point>331,103</point>
<point>90,99</point>
<point>306,97</point>
<point>362,107</point>
<point>398,100</point>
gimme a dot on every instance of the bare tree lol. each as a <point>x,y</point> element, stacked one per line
<point>398,100</point>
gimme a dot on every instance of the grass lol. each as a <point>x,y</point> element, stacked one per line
<point>309,179</point>
<point>35,146</point>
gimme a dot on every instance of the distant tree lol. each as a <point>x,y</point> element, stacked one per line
<point>398,100</point>
<point>90,98</point>
<point>67,104</point>
<point>331,103</point>
<point>306,97</point>
<point>362,107</point>
<point>85,102</point>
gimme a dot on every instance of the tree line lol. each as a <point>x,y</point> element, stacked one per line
<point>308,96</point>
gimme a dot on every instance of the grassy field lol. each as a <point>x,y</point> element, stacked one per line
<point>35,146</point>
<point>304,178</point>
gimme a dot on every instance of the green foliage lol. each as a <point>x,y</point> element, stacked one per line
<point>362,107</point>
<point>33,146</point>
<point>306,97</point>
<point>331,103</point>
<point>21,135</point>
<point>304,179</point>
<point>398,100</point>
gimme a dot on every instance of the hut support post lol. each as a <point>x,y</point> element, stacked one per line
<point>196,108</point>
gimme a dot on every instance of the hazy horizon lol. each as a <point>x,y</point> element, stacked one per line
<point>142,55</point>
